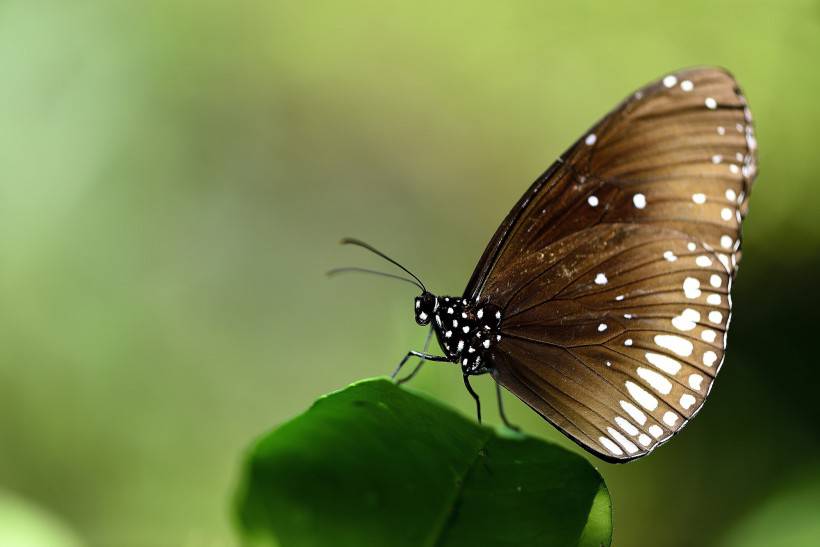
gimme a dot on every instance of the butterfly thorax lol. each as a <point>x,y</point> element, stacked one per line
<point>466,332</point>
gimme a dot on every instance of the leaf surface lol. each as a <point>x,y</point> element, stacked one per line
<point>375,464</point>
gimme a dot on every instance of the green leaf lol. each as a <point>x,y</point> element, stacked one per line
<point>375,464</point>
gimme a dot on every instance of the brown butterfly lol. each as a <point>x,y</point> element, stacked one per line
<point>604,298</point>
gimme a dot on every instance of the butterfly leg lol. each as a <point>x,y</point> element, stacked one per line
<point>474,395</point>
<point>421,362</point>
<point>424,357</point>
<point>501,409</point>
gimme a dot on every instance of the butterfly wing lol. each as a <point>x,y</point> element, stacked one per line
<point>614,270</point>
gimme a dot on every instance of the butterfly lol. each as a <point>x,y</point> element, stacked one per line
<point>603,300</point>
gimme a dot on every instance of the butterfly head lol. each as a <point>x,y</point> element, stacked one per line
<point>426,304</point>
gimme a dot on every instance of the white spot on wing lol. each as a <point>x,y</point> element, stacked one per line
<point>670,81</point>
<point>686,320</point>
<point>709,358</point>
<point>663,362</point>
<point>691,287</point>
<point>695,381</point>
<point>659,382</point>
<point>600,279</point>
<point>724,260</point>
<point>686,401</point>
<point>623,441</point>
<point>593,201</point>
<point>710,103</point>
<point>633,412</point>
<point>626,426</point>
<point>703,261</point>
<point>643,397</point>
<point>639,200</point>
<point>681,346</point>
<point>669,418</point>
<point>611,446</point>
<point>590,140</point>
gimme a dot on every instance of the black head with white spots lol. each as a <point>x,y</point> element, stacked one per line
<point>426,304</point>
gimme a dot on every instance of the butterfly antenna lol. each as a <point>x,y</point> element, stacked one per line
<point>351,241</point>
<point>336,271</point>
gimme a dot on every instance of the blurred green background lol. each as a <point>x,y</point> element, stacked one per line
<point>175,178</point>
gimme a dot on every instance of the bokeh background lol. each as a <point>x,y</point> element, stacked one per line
<point>175,176</point>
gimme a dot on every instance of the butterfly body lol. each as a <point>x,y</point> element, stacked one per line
<point>465,332</point>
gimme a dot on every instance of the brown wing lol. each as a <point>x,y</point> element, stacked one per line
<point>614,270</point>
